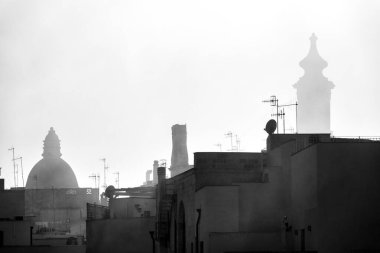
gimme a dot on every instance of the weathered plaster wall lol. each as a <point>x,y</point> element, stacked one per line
<point>121,235</point>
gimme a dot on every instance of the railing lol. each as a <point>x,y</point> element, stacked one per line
<point>357,138</point>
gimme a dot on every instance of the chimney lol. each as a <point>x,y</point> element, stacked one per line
<point>155,166</point>
<point>147,176</point>
<point>179,159</point>
<point>161,187</point>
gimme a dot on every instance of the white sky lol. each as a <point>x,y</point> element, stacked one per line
<point>112,77</point>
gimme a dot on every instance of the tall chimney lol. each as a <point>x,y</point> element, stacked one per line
<point>147,176</point>
<point>161,186</point>
<point>155,166</point>
<point>180,159</point>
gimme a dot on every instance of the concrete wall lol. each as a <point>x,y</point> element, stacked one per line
<point>185,192</point>
<point>335,189</point>
<point>12,203</point>
<point>243,242</point>
<point>225,168</point>
<point>261,206</point>
<point>132,207</point>
<point>60,209</point>
<point>304,192</point>
<point>44,249</point>
<point>349,196</point>
<point>15,232</point>
<point>220,210</point>
<point>120,235</point>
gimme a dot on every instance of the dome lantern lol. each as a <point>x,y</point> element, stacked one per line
<point>52,147</point>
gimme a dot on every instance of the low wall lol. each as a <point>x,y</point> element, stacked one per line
<point>43,249</point>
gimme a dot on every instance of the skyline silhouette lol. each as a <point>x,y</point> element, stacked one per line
<point>113,79</point>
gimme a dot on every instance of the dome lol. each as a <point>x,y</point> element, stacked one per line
<point>52,170</point>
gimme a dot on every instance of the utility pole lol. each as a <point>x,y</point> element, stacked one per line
<point>117,179</point>
<point>105,167</point>
<point>22,171</point>
<point>14,164</point>
<point>219,146</point>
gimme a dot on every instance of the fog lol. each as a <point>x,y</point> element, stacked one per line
<point>113,77</point>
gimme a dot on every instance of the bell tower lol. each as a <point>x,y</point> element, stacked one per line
<point>313,93</point>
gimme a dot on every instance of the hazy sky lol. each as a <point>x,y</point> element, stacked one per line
<point>112,77</point>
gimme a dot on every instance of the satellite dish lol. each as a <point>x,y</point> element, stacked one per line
<point>271,126</point>
<point>110,191</point>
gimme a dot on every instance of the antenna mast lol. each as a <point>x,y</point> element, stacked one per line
<point>237,143</point>
<point>94,177</point>
<point>22,171</point>
<point>105,167</point>
<point>230,135</point>
<point>14,164</point>
<point>117,179</point>
<point>273,100</point>
<point>296,105</point>
<point>282,116</point>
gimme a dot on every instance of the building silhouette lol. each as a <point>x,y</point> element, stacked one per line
<point>313,93</point>
<point>51,209</point>
<point>51,171</point>
<point>179,158</point>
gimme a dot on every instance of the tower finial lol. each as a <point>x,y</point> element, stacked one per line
<point>313,38</point>
<point>313,62</point>
<point>52,147</point>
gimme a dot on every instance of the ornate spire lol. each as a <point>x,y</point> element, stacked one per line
<point>313,62</point>
<point>52,147</point>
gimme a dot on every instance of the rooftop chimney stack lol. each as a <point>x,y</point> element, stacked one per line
<point>180,159</point>
<point>155,166</point>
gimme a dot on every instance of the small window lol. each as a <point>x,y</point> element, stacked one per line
<point>313,139</point>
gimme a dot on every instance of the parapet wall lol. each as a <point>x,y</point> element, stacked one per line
<point>225,168</point>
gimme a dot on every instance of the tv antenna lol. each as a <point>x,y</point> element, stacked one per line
<point>282,116</point>
<point>237,143</point>
<point>22,171</point>
<point>14,164</point>
<point>162,163</point>
<point>94,176</point>
<point>296,105</point>
<point>231,136</point>
<point>105,168</point>
<point>273,101</point>
<point>117,180</point>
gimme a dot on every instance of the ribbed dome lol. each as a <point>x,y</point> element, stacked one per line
<point>51,171</point>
